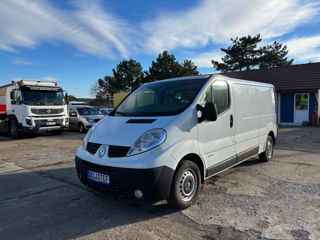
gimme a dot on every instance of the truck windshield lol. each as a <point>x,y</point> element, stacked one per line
<point>31,97</point>
<point>161,98</point>
<point>87,111</point>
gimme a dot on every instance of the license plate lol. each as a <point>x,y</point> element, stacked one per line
<point>98,177</point>
<point>50,123</point>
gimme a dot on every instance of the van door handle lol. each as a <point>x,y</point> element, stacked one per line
<point>231,121</point>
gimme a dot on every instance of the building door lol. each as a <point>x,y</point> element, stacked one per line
<point>301,107</point>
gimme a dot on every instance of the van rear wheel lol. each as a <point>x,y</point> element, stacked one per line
<point>185,186</point>
<point>268,153</point>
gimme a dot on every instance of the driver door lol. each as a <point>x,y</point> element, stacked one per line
<point>216,138</point>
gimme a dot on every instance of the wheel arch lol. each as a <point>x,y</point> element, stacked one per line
<point>271,134</point>
<point>197,160</point>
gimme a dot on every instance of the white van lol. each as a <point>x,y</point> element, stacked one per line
<point>168,136</point>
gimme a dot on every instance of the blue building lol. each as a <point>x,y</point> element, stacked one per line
<point>297,90</point>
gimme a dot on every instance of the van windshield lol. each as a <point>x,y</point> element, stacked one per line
<point>161,98</point>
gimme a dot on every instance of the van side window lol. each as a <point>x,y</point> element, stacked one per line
<point>220,92</point>
<point>207,97</point>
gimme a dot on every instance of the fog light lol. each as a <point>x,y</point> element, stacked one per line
<point>138,193</point>
<point>28,122</point>
<point>66,120</point>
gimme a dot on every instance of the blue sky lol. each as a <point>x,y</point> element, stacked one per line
<point>75,42</point>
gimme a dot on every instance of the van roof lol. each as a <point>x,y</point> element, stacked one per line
<point>183,78</point>
<point>215,75</point>
<point>246,82</point>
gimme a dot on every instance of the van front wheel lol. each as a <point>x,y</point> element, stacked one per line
<point>268,153</point>
<point>185,186</point>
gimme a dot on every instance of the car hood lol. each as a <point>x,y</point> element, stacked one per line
<point>124,131</point>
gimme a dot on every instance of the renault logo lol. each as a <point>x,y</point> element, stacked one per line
<point>102,151</point>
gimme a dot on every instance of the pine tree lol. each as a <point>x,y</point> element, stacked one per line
<point>274,55</point>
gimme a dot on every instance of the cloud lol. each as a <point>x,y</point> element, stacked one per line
<point>304,48</point>
<point>23,62</point>
<point>204,59</point>
<point>86,27</point>
<point>50,78</point>
<point>217,21</point>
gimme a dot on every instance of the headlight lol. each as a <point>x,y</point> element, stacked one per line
<point>150,139</point>
<point>87,137</point>
<point>90,119</point>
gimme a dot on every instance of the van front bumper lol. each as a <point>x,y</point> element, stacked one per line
<point>155,183</point>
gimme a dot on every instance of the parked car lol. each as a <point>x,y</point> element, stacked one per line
<point>82,117</point>
<point>168,136</point>
<point>105,111</point>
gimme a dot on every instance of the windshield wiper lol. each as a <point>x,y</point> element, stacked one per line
<point>37,103</point>
<point>57,103</point>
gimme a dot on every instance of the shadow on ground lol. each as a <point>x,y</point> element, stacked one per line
<point>36,205</point>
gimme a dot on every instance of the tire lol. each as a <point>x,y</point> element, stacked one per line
<point>185,186</point>
<point>13,129</point>
<point>81,128</point>
<point>268,153</point>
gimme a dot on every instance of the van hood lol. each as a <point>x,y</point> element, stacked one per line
<point>124,131</point>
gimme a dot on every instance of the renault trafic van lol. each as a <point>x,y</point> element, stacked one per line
<point>167,137</point>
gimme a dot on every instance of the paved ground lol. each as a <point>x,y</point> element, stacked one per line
<point>41,197</point>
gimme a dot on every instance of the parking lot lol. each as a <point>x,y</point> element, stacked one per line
<point>42,198</point>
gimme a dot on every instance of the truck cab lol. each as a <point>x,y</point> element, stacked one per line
<point>33,106</point>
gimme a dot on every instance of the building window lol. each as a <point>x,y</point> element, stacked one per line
<point>302,100</point>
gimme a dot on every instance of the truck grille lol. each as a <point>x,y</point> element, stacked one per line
<point>92,147</point>
<point>43,123</point>
<point>118,151</point>
<point>46,110</point>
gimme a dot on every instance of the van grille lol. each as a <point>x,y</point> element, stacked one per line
<point>118,151</point>
<point>99,168</point>
<point>46,110</point>
<point>92,147</point>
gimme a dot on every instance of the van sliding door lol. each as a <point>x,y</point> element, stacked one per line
<point>247,120</point>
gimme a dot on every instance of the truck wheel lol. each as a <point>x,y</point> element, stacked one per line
<point>185,186</point>
<point>268,153</point>
<point>81,128</point>
<point>13,129</point>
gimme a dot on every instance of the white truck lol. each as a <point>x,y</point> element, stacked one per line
<point>29,106</point>
<point>168,136</point>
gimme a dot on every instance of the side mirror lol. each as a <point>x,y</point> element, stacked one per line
<point>12,95</point>
<point>207,113</point>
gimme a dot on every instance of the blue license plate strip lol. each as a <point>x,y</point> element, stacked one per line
<point>98,177</point>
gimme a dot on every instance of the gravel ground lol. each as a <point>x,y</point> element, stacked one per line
<point>42,198</point>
